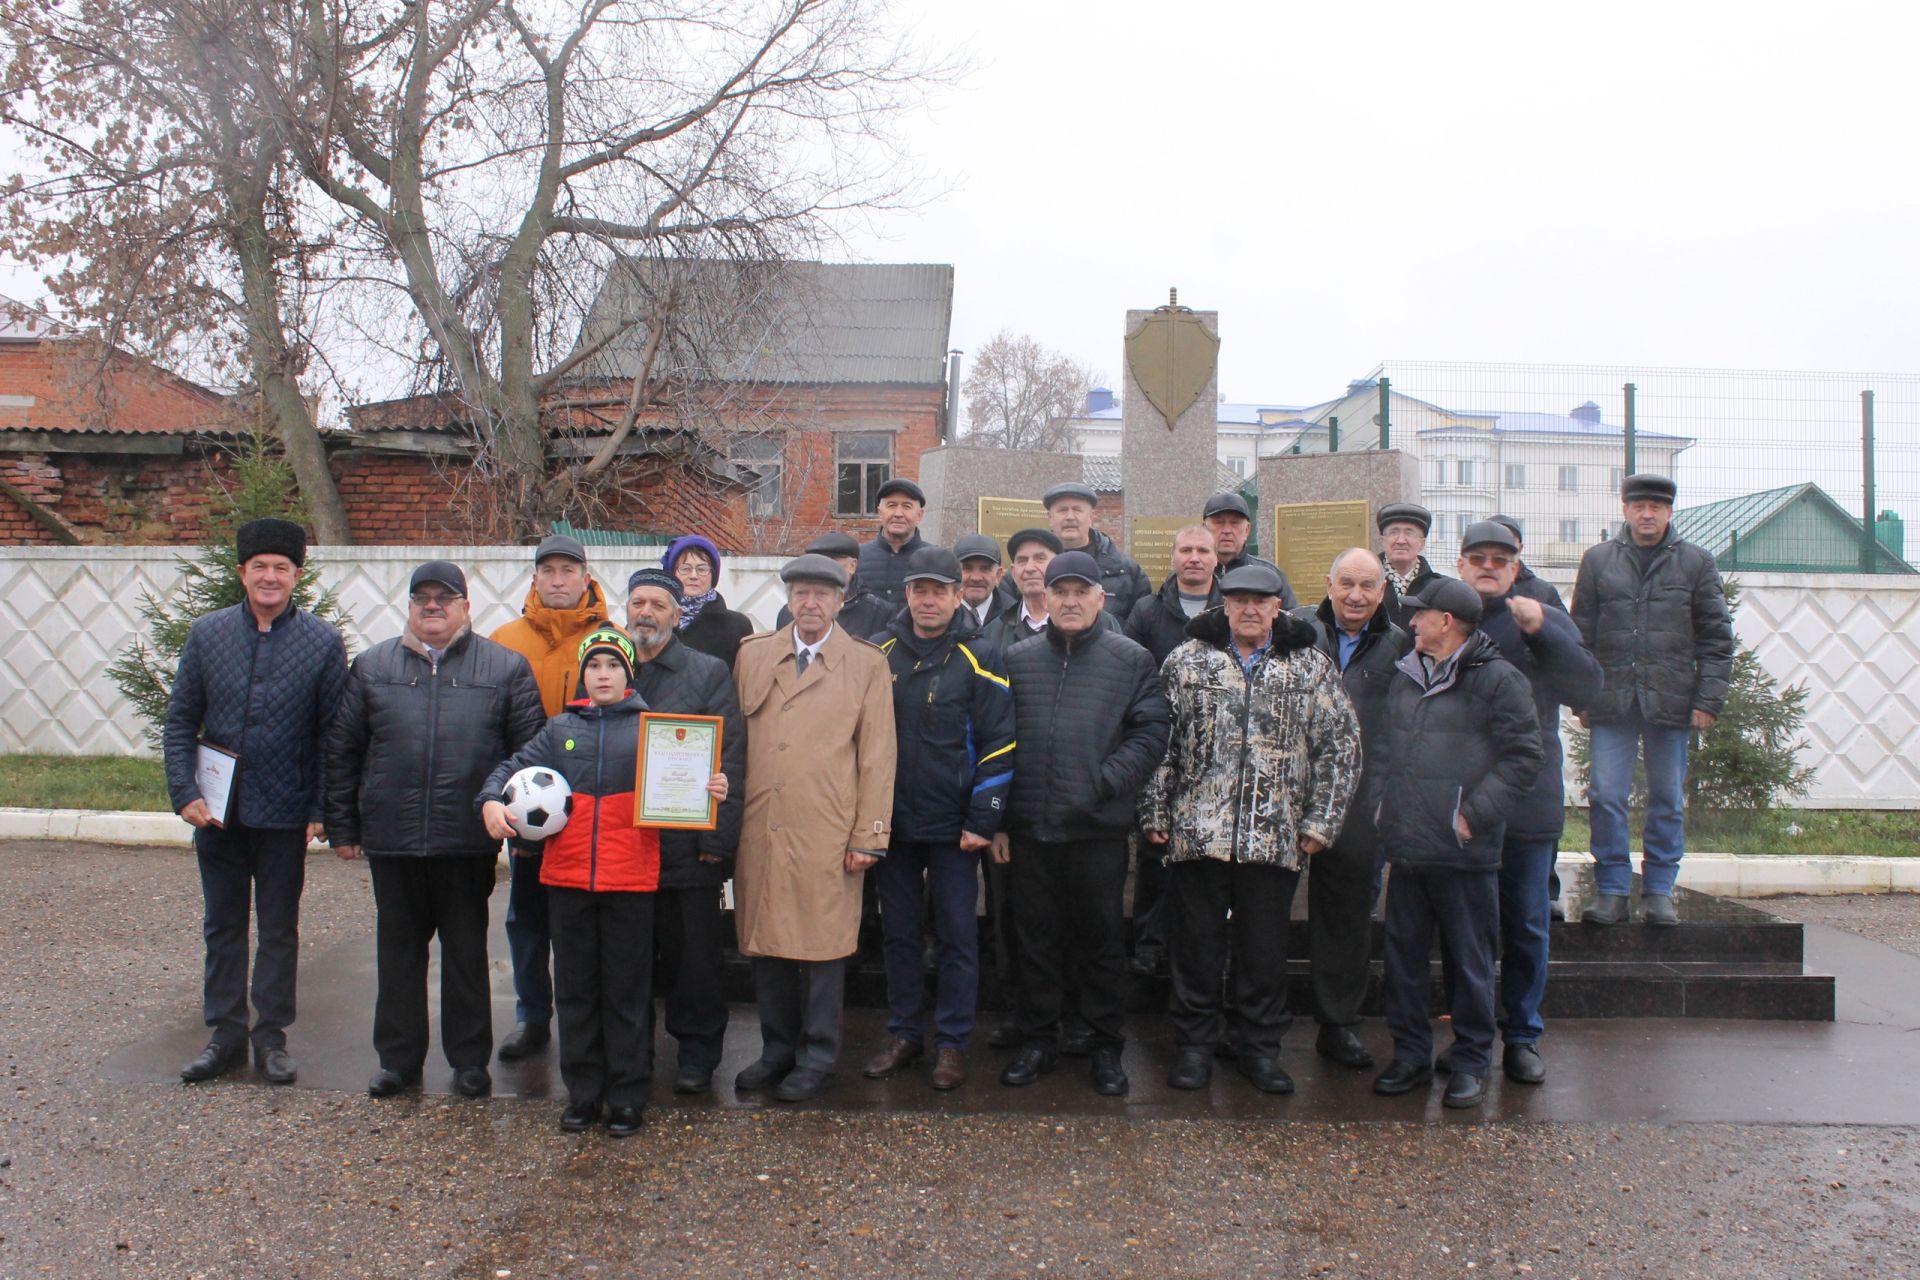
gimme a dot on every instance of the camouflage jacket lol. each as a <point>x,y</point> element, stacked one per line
<point>1257,758</point>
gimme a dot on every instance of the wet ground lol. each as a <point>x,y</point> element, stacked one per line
<point>1656,1149</point>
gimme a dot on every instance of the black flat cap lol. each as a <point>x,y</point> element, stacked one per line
<point>1647,485</point>
<point>835,543</point>
<point>1228,503</point>
<point>1074,564</point>
<point>444,572</point>
<point>814,568</point>
<point>1045,537</point>
<point>1404,513</point>
<point>1488,533</point>
<point>1513,526</point>
<point>901,485</point>
<point>977,546</point>
<point>932,564</point>
<point>1449,595</point>
<point>1254,579</point>
<point>1071,489</point>
<point>270,536</point>
<point>559,544</point>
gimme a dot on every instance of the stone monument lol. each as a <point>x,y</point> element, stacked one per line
<point>956,477</point>
<point>1168,448</point>
<point>1375,477</point>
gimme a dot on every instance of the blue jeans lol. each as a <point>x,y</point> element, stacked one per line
<point>950,876</point>
<point>529,942</point>
<point>1525,866</point>
<point>1614,747</point>
<point>1464,906</point>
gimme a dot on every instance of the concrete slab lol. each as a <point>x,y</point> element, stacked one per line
<point>1855,1070</point>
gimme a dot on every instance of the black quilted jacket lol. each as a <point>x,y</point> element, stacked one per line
<point>1092,726</point>
<point>1158,624</point>
<point>413,745</point>
<point>684,681</point>
<point>266,695</point>
<point>1663,639</point>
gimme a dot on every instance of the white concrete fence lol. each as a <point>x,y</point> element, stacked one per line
<point>65,613</point>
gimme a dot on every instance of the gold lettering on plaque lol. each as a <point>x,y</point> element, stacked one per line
<point>1001,518</point>
<point>1308,535</point>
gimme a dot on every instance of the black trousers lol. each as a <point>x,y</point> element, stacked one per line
<point>688,973</point>
<point>800,1006</point>
<point>1069,905</point>
<point>1149,895</point>
<point>1218,910</point>
<point>603,993</point>
<point>414,899</point>
<point>1465,907</point>
<point>266,869</point>
<point>1340,897</point>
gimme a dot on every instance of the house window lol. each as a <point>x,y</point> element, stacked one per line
<point>1569,531</point>
<point>1466,472</point>
<point>1569,479</point>
<point>1239,465</point>
<point>1460,523</point>
<point>1439,473</point>
<point>863,462</point>
<point>762,460</point>
<point>1619,475</point>
<point>1516,476</point>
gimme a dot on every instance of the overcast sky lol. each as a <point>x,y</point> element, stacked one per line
<point>1670,184</point>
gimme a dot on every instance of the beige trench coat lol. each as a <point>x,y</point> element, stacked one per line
<point>820,760</point>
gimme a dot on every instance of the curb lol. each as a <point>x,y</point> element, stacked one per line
<point>1727,875</point>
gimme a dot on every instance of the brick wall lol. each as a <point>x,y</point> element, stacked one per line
<point>73,385</point>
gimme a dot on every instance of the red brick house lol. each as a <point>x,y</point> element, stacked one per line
<point>785,398</point>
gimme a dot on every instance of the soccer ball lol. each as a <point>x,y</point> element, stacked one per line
<point>538,801</point>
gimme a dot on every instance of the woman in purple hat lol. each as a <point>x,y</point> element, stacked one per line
<point>706,624</point>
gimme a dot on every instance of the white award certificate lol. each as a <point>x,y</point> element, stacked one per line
<point>678,755</point>
<point>214,769</point>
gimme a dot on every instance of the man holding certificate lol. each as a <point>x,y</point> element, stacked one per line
<point>256,688</point>
<point>819,791</point>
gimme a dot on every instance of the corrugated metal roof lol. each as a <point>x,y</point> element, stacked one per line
<point>1717,526</point>
<point>22,323</point>
<point>799,322</point>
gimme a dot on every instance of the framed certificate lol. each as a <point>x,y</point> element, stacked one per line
<point>678,754</point>
<point>214,769</point>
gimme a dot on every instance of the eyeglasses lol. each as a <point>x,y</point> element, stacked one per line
<point>435,599</point>
<point>1481,561</point>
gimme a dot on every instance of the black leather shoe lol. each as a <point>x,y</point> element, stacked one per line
<point>1147,960</point>
<point>1006,1036</point>
<point>1657,908</point>
<point>693,1079</point>
<point>1076,1042</point>
<point>1029,1065</point>
<point>1109,1077</point>
<point>623,1122</point>
<point>1465,1090</point>
<point>1402,1077</point>
<point>384,1083</point>
<point>215,1060</point>
<point>276,1065</point>
<point>1522,1064</point>
<point>579,1117</point>
<point>761,1075</point>
<point>1265,1071</point>
<point>1192,1069</point>
<point>526,1040</point>
<point>803,1084</point>
<point>1339,1044</point>
<point>472,1082</point>
<point>1606,908</point>
<point>1443,1063</point>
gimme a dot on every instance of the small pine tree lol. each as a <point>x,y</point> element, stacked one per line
<point>262,485</point>
<point>1750,759</point>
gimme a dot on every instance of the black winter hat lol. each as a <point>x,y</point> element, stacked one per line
<point>270,536</point>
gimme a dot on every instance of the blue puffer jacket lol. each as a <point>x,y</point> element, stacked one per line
<point>266,695</point>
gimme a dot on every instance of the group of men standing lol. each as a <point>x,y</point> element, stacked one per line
<point>921,711</point>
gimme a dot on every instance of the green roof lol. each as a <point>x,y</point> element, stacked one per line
<point>1797,528</point>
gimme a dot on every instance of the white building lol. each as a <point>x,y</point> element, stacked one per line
<point>1243,430</point>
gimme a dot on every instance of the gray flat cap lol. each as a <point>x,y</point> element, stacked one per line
<point>814,567</point>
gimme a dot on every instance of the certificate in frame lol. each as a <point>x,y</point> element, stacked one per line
<point>678,754</point>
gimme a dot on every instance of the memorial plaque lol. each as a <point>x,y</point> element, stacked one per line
<point>1001,518</point>
<point>1308,535</point>
<point>1150,541</point>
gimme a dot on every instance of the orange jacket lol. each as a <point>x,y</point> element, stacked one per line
<point>549,639</point>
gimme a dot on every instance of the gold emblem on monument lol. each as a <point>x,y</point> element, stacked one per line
<point>1172,357</point>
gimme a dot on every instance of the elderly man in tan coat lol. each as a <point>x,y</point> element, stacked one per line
<point>819,798</point>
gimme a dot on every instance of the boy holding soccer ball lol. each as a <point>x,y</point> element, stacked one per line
<point>600,872</point>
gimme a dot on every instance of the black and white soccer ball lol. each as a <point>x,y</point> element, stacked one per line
<point>538,801</point>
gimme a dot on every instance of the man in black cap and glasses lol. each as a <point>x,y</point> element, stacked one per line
<point>258,681</point>
<point>426,717</point>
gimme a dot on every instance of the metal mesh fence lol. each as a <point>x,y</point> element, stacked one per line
<point>1775,469</point>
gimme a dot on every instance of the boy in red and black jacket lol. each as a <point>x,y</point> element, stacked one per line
<point>600,873</point>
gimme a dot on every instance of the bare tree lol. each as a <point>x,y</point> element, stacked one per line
<point>1019,394</point>
<point>501,155</point>
<point>166,210</point>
